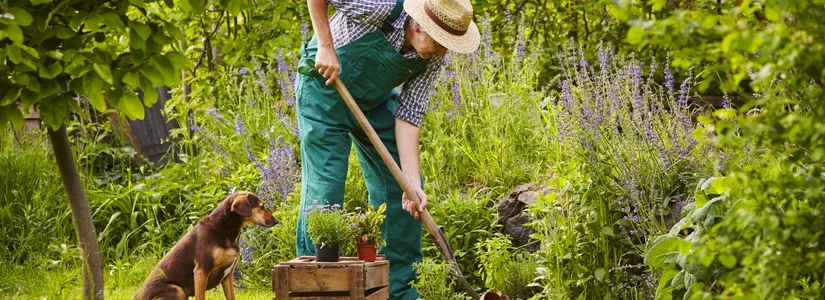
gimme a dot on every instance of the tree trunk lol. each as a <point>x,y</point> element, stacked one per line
<point>84,227</point>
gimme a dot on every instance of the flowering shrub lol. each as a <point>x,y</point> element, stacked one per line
<point>367,225</point>
<point>329,224</point>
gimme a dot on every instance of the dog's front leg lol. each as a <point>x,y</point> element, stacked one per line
<point>228,287</point>
<point>201,275</point>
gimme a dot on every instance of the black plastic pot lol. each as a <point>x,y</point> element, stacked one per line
<point>327,253</point>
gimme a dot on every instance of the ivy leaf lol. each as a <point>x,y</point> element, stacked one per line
<point>131,105</point>
<point>150,94</point>
<point>51,71</point>
<point>21,16</point>
<point>104,72</point>
<point>54,110</point>
<point>141,29</point>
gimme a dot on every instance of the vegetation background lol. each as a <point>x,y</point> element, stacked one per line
<point>642,190</point>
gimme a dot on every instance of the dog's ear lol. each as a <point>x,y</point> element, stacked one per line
<point>240,205</point>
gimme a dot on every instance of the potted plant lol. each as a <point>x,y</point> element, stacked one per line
<point>367,225</point>
<point>328,227</point>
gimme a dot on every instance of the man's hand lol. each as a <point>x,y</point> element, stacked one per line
<point>410,206</point>
<point>326,61</point>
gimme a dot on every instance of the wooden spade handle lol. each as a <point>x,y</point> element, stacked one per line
<point>429,223</point>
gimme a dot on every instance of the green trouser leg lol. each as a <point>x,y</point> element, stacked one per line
<point>400,230</point>
<point>327,132</point>
<point>325,147</point>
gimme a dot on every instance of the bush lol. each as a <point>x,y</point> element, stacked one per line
<point>505,269</point>
<point>435,282</point>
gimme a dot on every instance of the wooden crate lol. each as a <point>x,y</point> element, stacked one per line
<point>304,278</point>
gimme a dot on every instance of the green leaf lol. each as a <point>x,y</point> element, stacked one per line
<point>113,20</point>
<point>161,38</point>
<point>14,33</point>
<point>150,93</point>
<point>21,16</point>
<point>656,4</point>
<point>20,78</point>
<point>55,54</point>
<point>53,111</point>
<point>678,279</point>
<point>141,29</point>
<point>104,72</point>
<point>14,115</point>
<point>621,13</point>
<point>51,71</point>
<point>131,105</point>
<point>286,25</point>
<point>152,74</point>
<point>197,5</point>
<point>97,100</point>
<point>11,95</point>
<point>31,51</point>
<point>63,32</point>
<point>135,41</point>
<point>14,53</point>
<point>772,13</point>
<point>655,257</point>
<point>92,84</point>
<point>93,22</point>
<point>131,80</point>
<point>169,3</point>
<point>600,274</point>
<point>178,59</point>
<point>170,74</point>
<point>138,3</point>
<point>38,2</point>
<point>29,97</point>
<point>664,282</point>
<point>727,260</point>
<point>635,35</point>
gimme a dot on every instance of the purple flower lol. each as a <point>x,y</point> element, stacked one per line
<point>243,71</point>
<point>240,129</point>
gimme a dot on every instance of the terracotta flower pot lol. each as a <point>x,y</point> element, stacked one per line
<point>366,252</point>
<point>327,253</point>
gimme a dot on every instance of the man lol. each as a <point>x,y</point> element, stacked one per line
<point>378,45</point>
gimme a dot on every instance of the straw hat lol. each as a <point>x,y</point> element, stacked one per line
<point>448,22</point>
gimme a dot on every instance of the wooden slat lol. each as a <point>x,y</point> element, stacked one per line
<point>356,281</point>
<point>377,275</point>
<point>382,294</point>
<point>281,282</point>
<point>318,280</point>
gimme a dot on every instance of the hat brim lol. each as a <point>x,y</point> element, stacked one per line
<point>466,43</point>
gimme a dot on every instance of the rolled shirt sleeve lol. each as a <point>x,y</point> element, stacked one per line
<point>414,98</point>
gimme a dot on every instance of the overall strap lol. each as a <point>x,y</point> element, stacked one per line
<point>396,12</point>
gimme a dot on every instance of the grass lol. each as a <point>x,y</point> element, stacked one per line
<point>32,281</point>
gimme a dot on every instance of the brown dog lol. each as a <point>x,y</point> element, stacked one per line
<point>208,253</point>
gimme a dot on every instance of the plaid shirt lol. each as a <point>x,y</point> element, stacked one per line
<point>354,18</point>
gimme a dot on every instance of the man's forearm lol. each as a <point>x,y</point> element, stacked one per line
<point>407,136</point>
<point>318,12</point>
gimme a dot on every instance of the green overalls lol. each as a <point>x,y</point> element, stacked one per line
<point>371,69</point>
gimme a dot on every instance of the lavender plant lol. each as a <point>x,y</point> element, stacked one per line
<point>633,135</point>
